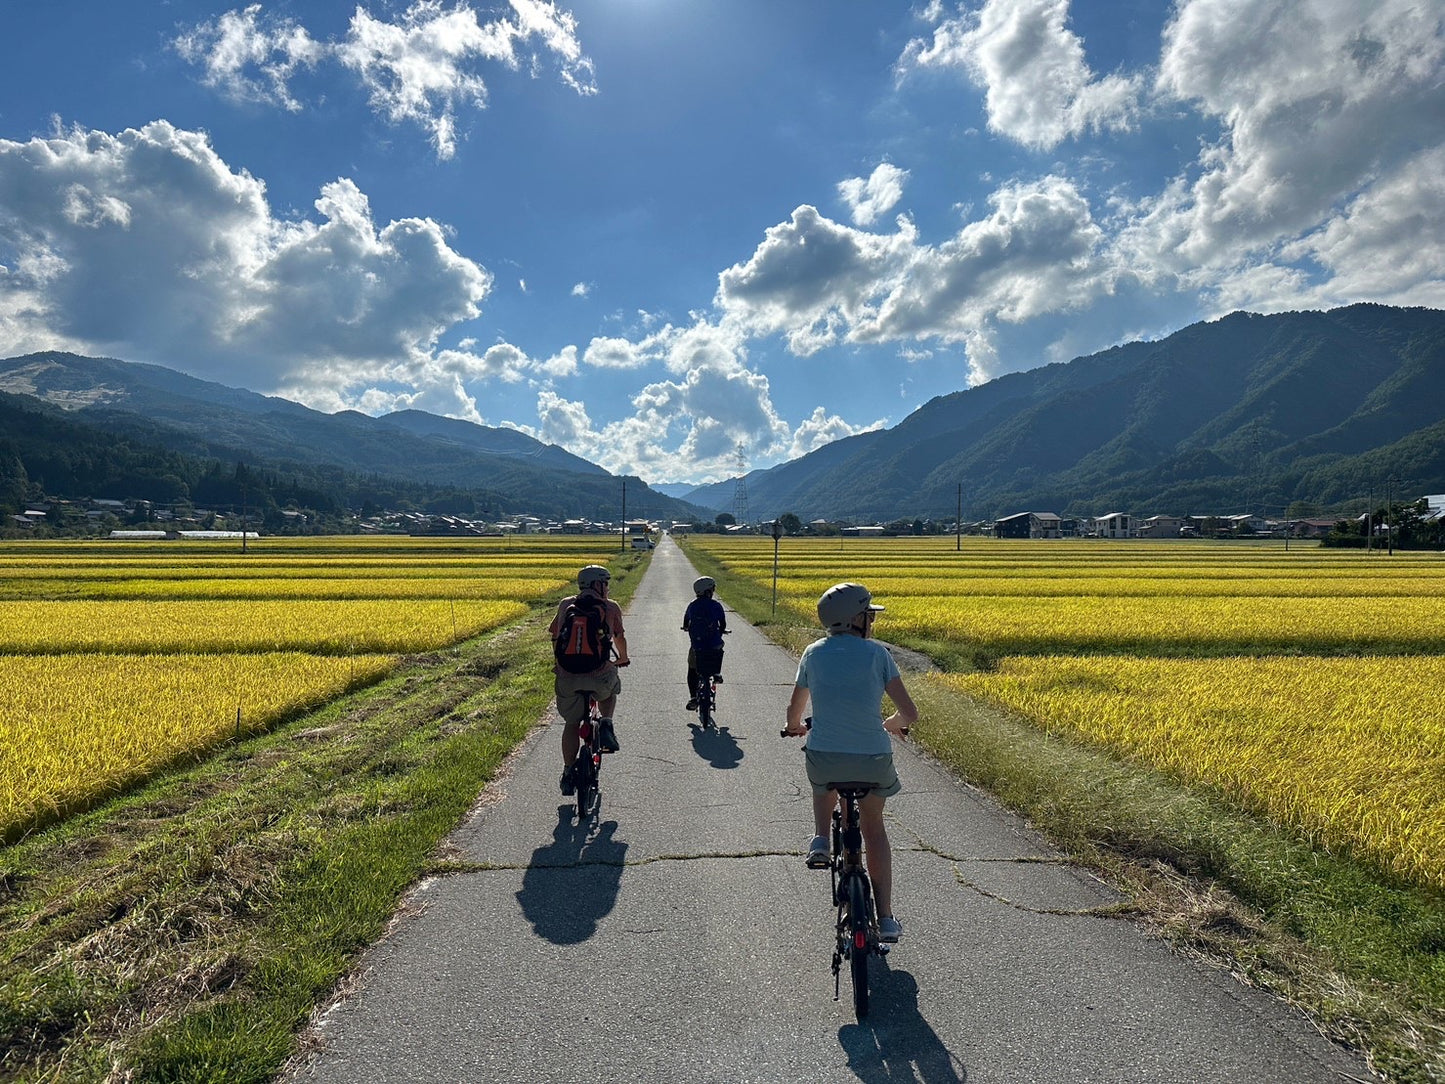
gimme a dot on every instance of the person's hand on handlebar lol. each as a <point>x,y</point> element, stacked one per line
<point>796,730</point>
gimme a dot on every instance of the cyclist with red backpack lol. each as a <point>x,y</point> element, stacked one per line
<point>705,621</point>
<point>586,633</point>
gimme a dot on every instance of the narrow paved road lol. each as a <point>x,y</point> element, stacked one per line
<point>682,939</point>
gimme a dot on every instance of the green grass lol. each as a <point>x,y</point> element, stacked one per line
<point>187,930</point>
<point>1359,950</point>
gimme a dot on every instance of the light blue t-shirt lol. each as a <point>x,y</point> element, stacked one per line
<point>845,677</point>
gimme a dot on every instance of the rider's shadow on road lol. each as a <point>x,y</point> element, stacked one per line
<point>895,1042</point>
<point>718,747</point>
<point>572,882</point>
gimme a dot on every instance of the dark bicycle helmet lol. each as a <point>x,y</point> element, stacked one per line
<point>703,584</point>
<point>593,575</point>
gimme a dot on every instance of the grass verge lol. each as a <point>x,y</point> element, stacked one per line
<point>1360,951</point>
<point>186,930</point>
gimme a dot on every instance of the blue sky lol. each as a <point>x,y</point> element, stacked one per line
<point>653,230</point>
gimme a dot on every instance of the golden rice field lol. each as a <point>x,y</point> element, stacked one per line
<point>118,658</point>
<point>80,726</point>
<point>1301,684</point>
<point>1343,748</point>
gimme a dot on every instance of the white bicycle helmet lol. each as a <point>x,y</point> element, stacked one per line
<point>841,603</point>
<point>593,575</point>
<point>703,584</point>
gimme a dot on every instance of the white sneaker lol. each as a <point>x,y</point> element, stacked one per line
<point>889,930</point>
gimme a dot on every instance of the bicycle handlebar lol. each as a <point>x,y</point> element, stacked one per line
<point>808,725</point>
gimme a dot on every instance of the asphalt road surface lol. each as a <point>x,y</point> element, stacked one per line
<point>681,938</point>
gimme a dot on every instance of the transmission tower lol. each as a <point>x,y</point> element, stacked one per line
<point>740,491</point>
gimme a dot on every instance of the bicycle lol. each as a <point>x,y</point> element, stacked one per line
<point>586,767</point>
<point>708,679</point>
<point>857,926</point>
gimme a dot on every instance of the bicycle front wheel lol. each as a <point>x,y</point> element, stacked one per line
<point>859,947</point>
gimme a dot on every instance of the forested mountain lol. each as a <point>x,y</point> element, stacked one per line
<point>1247,412</point>
<point>92,427</point>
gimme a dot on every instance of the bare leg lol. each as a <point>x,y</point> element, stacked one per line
<point>823,806</point>
<point>571,742</point>
<point>876,851</point>
<point>605,708</point>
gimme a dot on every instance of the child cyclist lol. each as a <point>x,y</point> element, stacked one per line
<point>704,621</point>
<point>846,674</point>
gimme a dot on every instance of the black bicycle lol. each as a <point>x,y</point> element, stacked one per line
<point>857,927</point>
<point>708,679</point>
<point>586,767</point>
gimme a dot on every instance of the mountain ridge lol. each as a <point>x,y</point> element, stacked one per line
<point>1247,410</point>
<point>184,414</point>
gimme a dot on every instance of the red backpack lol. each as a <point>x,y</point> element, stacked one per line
<point>584,640</point>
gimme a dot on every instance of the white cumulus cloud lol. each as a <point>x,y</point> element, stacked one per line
<point>1328,111</point>
<point>423,68</point>
<point>146,245</point>
<point>1039,89</point>
<point>233,46</point>
<point>874,196</point>
<point>822,428</point>
<point>818,282</point>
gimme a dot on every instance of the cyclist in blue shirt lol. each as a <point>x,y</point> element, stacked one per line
<point>846,674</point>
<point>705,622</point>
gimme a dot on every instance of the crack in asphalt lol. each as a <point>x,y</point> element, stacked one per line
<point>1122,909</point>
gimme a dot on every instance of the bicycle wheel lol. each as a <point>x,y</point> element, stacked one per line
<point>586,781</point>
<point>704,704</point>
<point>859,948</point>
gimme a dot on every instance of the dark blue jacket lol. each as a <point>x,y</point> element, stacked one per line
<point>705,621</point>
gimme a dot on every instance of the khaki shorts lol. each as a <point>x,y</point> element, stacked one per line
<point>572,692</point>
<point>825,769</point>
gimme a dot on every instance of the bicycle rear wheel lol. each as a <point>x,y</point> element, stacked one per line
<point>859,948</point>
<point>705,704</point>
<point>586,782</point>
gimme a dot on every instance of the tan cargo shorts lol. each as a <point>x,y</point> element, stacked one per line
<point>572,690</point>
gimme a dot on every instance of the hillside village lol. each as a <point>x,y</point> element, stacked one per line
<point>1422,518</point>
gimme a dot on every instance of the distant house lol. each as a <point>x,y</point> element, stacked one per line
<point>1246,523</point>
<point>863,532</point>
<point>1114,525</point>
<point>1435,507</point>
<point>1160,527</point>
<point>1311,528</point>
<point>1029,525</point>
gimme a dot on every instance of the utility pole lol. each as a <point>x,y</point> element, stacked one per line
<point>958,522</point>
<point>1369,518</point>
<point>777,536</point>
<point>624,516</point>
<point>1390,515</point>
